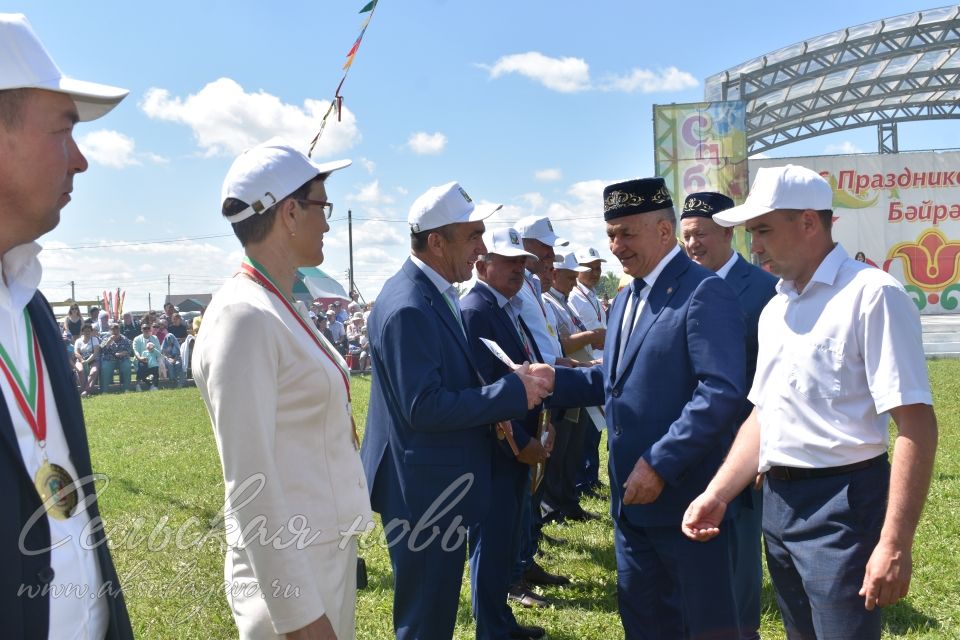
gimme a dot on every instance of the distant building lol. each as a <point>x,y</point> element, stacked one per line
<point>190,301</point>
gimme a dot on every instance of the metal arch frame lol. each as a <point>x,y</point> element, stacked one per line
<point>775,117</point>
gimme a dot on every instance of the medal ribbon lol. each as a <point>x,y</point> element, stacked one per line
<point>30,396</point>
<point>590,298</point>
<point>259,275</point>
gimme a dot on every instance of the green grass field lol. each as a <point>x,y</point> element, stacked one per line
<point>164,491</point>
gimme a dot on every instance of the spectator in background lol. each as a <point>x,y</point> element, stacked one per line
<point>353,329</point>
<point>74,321</point>
<point>102,326</point>
<point>342,315</point>
<point>146,349</point>
<point>168,311</point>
<point>160,328</point>
<point>68,346</point>
<point>129,327</point>
<point>197,321</point>
<point>366,313</point>
<point>93,314</point>
<point>364,349</point>
<point>172,357</point>
<point>338,331</point>
<point>177,327</point>
<point>115,352</point>
<point>324,329</point>
<point>86,352</point>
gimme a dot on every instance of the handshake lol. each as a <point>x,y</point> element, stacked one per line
<point>537,381</point>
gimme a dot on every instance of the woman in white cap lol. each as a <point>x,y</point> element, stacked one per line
<point>278,394</point>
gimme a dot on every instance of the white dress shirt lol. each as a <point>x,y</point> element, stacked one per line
<point>833,360</point>
<point>539,319</point>
<point>641,300</point>
<point>587,306</point>
<point>74,612</point>
<point>725,269</point>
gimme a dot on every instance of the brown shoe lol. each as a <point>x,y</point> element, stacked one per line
<point>526,597</point>
<point>538,575</point>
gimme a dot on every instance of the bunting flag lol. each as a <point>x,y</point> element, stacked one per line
<point>337,102</point>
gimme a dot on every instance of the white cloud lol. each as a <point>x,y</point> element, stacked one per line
<point>424,143</point>
<point>225,119</point>
<point>570,75</point>
<point>533,199</point>
<point>548,175</point>
<point>374,233</point>
<point>371,194</point>
<point>369,165</point>
<point>841,148</point>
<point>646,81</point>
<point>109,148</point>
<point>588,191</point>
<point>566,75</point>
<point>156,158</point>
<point>140,220</point>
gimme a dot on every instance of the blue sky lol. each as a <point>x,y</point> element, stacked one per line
<point>529,103</point>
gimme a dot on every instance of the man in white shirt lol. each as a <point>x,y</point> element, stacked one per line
<point>58,578</point>
<point>840,349</point>
<point>589,309</point>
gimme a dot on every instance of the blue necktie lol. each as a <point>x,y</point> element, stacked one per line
<point>636,287</point>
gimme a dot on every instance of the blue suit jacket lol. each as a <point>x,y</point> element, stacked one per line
<point>428,422</point>
<point>485,319</point>
<point>754,288</point>
<point>682,384</point>
<point>23,616</point>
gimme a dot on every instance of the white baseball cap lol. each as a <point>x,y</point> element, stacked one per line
<point>539,228</point>
<point>25,64</point>
<point>505,242</point>
<point>789,187</point>
<point>269,172</point>
<point>588,255</point>
<point>446,204</point>
<point>569,262</point>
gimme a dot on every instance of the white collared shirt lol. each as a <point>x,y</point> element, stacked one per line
<point>640,299</point>
<point>586,305</point>
<point>833,360</point>
<point>444,287</point>
<point>540,319</point>
<point>725,269</point>
<point>74,613</point>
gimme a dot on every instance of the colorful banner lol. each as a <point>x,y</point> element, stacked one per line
<point>702,147</point>
<point>902,212</point>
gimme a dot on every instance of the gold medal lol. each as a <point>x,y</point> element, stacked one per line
<point>57,490</point>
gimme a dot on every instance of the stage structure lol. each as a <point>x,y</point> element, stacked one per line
<point>900,69</point>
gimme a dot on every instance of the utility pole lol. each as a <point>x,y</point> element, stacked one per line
<point>73,292</point>
<point>168,285</point>
<point>350,245</point>
<point>149,302</point>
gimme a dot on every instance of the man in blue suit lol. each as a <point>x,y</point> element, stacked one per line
<point>709,245</point>
<point>428,442</point>
<point>491,311</point>
<point>673,380</point>
<point>57,577</point>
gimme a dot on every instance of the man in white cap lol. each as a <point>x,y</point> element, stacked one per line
<point>428,442</point>
<point>840,352</point>
<point>584,301</point>
<point>491,311</point>
<point>560,498</point>
<point>539,239</point>
<point>51,562</point>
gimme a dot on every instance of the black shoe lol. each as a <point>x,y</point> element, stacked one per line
<point>553,516</point>
<point>538,575</point>
<point>556,542</point>
<point>526,597</point>
<point>581,515</point>
<point>531,632</point>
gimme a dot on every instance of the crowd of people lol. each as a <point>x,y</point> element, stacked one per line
<point>732,402</point>
<point>154,347</point>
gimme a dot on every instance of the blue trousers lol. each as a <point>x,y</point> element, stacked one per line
<point>672,588</point>
<point>107,367</point>
<point>747,565</point>
<point>494,544</point>
<point>588,475</point>
<point>819,535</point>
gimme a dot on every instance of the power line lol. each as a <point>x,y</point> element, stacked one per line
<point>137,243</point>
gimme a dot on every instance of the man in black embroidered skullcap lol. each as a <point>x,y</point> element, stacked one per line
<point>709,244</point>
<point>673,382</point>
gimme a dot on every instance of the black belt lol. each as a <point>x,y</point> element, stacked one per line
<point>800,473</point>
